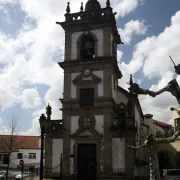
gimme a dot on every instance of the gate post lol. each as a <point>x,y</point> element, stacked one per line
<point>61,159</point>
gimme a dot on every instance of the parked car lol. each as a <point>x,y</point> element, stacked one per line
<point>19,176</point>
<point>25,174</point>
<point>11,176</point>
<point>171,174</point>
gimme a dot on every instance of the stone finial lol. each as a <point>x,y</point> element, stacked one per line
<point>68,8</point>
<point>48,112</point>
<point>108,3</point>
<point>81,8</point>
<point>131,80</point>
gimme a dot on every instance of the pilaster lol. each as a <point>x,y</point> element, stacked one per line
<point>107,80</point>
<point>66,142</point>
<point>107,143</point>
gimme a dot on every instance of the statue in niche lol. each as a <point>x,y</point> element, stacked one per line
<point>88,47</point>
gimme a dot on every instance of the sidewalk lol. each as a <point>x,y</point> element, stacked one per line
<point>34,178</point>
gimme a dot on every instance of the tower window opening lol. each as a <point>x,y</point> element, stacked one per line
<point>88,47</point>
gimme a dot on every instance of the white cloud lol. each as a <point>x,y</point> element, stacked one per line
<point>151,56</point>
<point>27,57</point>
<point>30,99</point>
<point>119,56</point>
<point>7,1</point>
<point>133,27</point>
<point>124,7</point>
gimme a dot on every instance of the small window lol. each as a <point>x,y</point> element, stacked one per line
<point>5,159</point>
<point>86,97</point>
<point>32,155</point>
<point>1,157</point>
<point>19,155</point>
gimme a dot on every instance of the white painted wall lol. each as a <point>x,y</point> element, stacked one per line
<point>57,149</point>
<point>144,131</point>
<point>100,85</point>
<point>120,97</point>
<point>75,36</point>
<point>99,124</point>
<point>157,128</point>
<point>99,35</point>
<point>149,122</point>
<point>118,153</point>
<point>74,124</point>
<point>25,154</point>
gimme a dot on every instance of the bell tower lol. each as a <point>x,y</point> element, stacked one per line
<point>91,77</point>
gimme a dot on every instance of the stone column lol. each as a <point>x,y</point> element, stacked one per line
<point>107,82</point>
<point>107,41</point>
<point>48,155</point>
<point>67,85</point>
<point>107,143</point>
<point>66,142</point>
<point>68,46</point>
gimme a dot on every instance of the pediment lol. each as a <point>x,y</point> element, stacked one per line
<point>86,133</point>
<point>122,106</point>
<point>82,79</point>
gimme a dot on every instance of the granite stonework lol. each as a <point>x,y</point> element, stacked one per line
<point>91,62</point>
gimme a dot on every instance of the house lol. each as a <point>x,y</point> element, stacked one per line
<point>167,152</point>
<point>99,118</point>
<point>157,128</point>
<point>176,118</point>
<point>25,148</point>
<point>161,129</point>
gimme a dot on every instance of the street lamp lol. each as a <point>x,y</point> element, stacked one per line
<point>42,122</point>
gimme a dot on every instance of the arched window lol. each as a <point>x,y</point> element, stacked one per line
<point>87,47</point>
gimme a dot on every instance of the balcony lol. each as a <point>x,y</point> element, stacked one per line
<point>127,123</point>
<point>84,15</point>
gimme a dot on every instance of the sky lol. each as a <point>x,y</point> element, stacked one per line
<point>31,44</point>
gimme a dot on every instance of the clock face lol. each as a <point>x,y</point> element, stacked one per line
<point>87,72</point>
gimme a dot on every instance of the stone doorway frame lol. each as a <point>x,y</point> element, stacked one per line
<point>88,140</point>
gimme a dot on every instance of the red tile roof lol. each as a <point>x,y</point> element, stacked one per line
<point>162,124</point>
<point>18,142</point>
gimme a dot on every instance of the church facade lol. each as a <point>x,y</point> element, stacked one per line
<point>99,118</point>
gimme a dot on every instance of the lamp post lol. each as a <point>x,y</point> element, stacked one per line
<point>42,122</point>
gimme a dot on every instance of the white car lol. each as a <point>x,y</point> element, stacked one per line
<point>3,175</point>
<point>19,176</point>
<point>171,174</point>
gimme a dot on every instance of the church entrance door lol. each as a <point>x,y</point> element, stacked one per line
<point>86,163</point>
